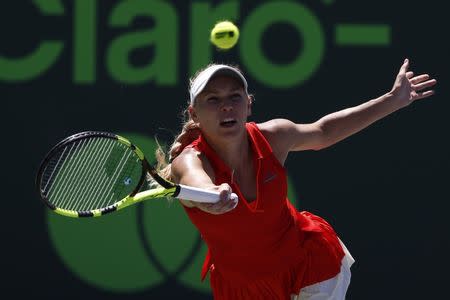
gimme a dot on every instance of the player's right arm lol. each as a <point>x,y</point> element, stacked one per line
<point>191,168</point>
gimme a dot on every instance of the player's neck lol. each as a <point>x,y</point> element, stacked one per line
<point>235,154</point>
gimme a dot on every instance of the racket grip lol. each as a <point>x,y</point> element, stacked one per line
<point>201,195</point>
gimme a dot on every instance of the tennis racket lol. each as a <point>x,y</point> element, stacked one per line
<point>92,173</point>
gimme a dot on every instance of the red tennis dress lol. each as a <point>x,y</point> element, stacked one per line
<point>265,249</point>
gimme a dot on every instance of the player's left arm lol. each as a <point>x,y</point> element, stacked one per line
<point>285,136</point>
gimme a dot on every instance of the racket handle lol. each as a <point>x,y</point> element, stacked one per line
<point>201,195</point>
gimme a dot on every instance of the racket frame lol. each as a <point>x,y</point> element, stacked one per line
<point>168,188</point>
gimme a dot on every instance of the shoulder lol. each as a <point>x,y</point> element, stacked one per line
<point>276,130</point>
<point>189,160</point>
<point>285,135</point>
<point>276,126</point>
<point>180,164</point>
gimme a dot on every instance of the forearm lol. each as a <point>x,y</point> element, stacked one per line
<point>188,169</point>
<point>344,123</point>
<point>195,180</point>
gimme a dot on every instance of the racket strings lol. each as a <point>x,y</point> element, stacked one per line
<point>113,179</point>
<point>70,180</point>
<point>76,180</point>
<point>90,174</point>
<point>53,167</point>
<point>91,190</point>
<point>127,172</point>
<point>61,172</point>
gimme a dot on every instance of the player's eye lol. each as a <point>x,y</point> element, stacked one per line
<point>236,97</point>
<point>212,99</point>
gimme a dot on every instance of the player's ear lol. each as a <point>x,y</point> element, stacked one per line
<point>250,102</point>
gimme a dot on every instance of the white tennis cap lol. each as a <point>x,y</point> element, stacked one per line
<point>202,79</point>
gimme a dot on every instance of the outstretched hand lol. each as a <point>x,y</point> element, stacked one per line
<point>409,88</point>
<point>225,204</point>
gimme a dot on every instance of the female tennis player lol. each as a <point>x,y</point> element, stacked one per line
<point>261,247</point>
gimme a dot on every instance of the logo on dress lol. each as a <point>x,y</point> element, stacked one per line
<point>269,177</point>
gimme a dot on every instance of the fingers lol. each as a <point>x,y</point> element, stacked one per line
<point>224,191</point>
<point>424,85</point>
<point>417,81</point>
<point>420,83</point>
<point>424,95</point>
<point>218,208</point>
<point>419,78</point>
<point>404,67</point>
<point>225,204</point>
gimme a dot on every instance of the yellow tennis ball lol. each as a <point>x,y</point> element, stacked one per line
<point>224,35</point>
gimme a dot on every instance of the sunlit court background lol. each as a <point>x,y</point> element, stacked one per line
<point>123,66</point>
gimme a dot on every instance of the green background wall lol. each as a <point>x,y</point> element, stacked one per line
<point>123,66</point>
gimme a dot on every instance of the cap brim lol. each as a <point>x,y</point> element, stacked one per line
<point>205,77</point>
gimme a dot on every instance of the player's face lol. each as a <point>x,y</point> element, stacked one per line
<point>222,107</point>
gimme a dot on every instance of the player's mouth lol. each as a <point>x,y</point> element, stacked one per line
<point>228,122</point>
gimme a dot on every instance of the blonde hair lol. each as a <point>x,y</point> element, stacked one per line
<point>189,132</point>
